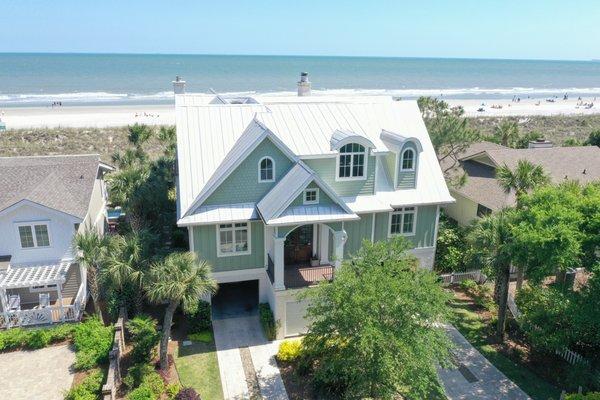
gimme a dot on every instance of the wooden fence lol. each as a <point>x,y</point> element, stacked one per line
<point>457,277</point>
<point>113,379</point>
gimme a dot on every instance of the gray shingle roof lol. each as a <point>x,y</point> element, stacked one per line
<point>560,163</point>
<point>63,183</point>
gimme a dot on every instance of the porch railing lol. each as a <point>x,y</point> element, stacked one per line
<point>46,315</point>
<point>271,269</point>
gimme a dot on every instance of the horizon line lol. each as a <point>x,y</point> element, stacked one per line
<point>293,55</point>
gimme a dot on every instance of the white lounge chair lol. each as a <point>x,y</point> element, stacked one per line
<point>44,300</point>
<point>14,302</point>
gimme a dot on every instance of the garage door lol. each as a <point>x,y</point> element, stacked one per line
<point>295,323</point>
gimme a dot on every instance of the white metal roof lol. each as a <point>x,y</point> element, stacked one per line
<point>206,215</point>
<point>313,214</point>
<point>274,204</point>
<point>207,134</point>
<point>34,275</point>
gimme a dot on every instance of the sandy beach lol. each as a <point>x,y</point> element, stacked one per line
<point>110,116</point>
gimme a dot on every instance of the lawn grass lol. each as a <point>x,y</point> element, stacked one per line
<point>198,368</point>
<point>475,331</point>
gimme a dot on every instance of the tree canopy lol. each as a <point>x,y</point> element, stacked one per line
<point>375,329</point>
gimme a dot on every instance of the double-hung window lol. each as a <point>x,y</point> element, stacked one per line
<point>34,235</point>
<point>311,196</point>
<point>403,221</point>
<point>408,160</point>
<point>233,239</point>
<point>351,161</point>
<point>266,170</point>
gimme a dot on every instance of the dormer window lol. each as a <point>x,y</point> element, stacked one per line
<point>351,162</point>
<point>311,196</point>
<point>408,160</point>
<point>266,170</point>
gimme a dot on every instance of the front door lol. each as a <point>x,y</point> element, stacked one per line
<point>298,245</point>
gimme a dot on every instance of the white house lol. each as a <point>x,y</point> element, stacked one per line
<point>277,191</point>
<point>44,201</point>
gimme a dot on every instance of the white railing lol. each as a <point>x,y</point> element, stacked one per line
<point>46,315</point>
<point>512,306</point>
<point>457,277</point>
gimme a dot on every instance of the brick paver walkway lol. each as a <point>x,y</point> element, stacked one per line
<point>39,374</point>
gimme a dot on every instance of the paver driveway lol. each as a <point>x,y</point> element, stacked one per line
<point>39,374</point>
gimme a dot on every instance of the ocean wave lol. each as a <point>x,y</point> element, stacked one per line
<point>475,92</point>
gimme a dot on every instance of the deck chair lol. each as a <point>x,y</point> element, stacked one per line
<point>44,300</point>
<point>14,302</point>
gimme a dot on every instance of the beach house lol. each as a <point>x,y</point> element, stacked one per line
<point>44,202</point>
<point>277,191</point>
<point>481,193</point>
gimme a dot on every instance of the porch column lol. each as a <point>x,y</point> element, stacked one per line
<point>278,262</point>
<point>60,302</point>
<point>315,240</point>
<point>4,306</point>
<point>324,244</point>
<point>339,239</point>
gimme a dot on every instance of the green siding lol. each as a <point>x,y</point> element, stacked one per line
<point>425,229</point>
<point>406,179</point>
<point>326,169</point>
<point>357,231</point>
<point>390,166</point>
<point>205,245</point>
<point>242,185</point>
<point>323,198</point>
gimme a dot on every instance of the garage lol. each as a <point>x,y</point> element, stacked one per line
<point>295,322</point>
<point>235,299</point>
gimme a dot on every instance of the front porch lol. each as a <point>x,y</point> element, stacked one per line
<point>302,256</point>
<point>41,294</point>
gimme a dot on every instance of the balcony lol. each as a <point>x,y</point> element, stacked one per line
<point>298,275</point>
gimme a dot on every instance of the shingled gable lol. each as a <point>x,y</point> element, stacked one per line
<point>254,134</point>
<point>290,187</point>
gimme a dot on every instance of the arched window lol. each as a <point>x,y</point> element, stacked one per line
<point>266,170</point>
<point>351,161</point>
<point>408,160</point>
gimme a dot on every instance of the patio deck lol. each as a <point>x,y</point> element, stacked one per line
<point>297,276</point>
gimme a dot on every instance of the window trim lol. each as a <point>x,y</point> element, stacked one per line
<point>402,211</point>
<point>259,170</point>
<point>414,161</point>
<point>308,203</point>
<point>339,178</point>
<point>235,253</point>
<point>32,225</point>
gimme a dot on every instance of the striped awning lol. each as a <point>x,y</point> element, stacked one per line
<point>34,275</point>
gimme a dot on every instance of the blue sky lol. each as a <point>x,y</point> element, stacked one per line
<point>532,29</point>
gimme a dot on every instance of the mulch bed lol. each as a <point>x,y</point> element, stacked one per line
<point>298,387</point>
<point>515,346</point>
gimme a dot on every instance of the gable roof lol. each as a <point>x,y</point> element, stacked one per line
<point>254,134</point>
<point>207,134</point>
<point>560,163</point>
<point>275,203</point>
<point>62,183</point>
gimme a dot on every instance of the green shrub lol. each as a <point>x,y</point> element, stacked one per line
<point>93,342</point>
<point>289,350</point>
<point>144,336</point>
<point>267,320</point>
<point>155,382</point>
<point>12,338</point>
<point>88,389</point>
<point>589,396</point>
<point>38,339</point>
<point>172,389</point>
<point>136,374</point>
<point>142,393</point>
<point>468,285</point>
<point>61,332</point>
<point>204,337</point>
<point>201,319</point>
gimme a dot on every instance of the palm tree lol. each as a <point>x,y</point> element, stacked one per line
<point>507,132</point>
<point>178,280</point>
<point>524,178</point>
<point>492,236</point>
<point>126,265</point>
<point>167,136</point>
<point>91,249</point>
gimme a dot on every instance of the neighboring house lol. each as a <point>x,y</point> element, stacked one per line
<point>276,191</point>
<point>481,193</point>
<point>44,201</point>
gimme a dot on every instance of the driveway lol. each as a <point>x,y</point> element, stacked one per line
<point>474,376</point>
<point>39,374</point>
<point>247,359</point>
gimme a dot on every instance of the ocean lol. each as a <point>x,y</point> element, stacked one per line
<point>92,79</point>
